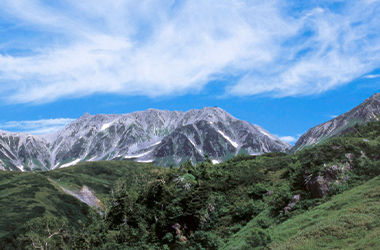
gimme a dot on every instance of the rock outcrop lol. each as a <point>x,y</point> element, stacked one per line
<point>320,185</point>
<point>295,200</point>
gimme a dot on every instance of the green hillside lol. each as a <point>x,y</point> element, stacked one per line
<point>24,196</point>
<point>350,220</point>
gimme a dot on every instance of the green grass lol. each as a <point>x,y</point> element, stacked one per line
<point>351,220</point>
<point>99,176</point>
<point>25,196</point>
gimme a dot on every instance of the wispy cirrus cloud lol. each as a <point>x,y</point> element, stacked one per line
<point>36,127</point>
<point>69,49</point>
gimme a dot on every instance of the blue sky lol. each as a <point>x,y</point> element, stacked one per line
<point>284,65</point>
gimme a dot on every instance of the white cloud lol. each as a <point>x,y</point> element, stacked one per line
<point>372,76</point>
<point>332,116</point>
<point>154,48</point>
<point>36,127</point>
<point>338,49</point>
<point>289,139</point>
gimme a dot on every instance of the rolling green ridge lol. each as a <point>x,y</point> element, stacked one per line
<point>24,196</point>
<point>238,204</point>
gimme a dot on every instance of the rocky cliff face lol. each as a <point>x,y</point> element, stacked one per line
<point>342,124</point>
<point>21,152</point>
<point>159,136</point>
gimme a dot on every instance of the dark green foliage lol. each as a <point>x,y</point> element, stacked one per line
<point>256,191</point>
<point>92,234</point>
<point>258,238</point>
<point>280,199</point>
<point>46,233</point>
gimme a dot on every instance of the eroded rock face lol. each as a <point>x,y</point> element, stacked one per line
<point>85,195</point>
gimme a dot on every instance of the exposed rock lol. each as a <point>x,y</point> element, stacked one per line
<point>177,228</point>
<point>270,192</point>
<point>160,136</point>
<point>319,186</point>
<point>333,171</point>
<point>350,157</point>
<point>362,155</point>
<point>85,195</point>
<point>295,200</point>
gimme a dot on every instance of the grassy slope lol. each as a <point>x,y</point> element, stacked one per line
<point>350,220</point>
<point>99,176</point>
<point>24,196</point>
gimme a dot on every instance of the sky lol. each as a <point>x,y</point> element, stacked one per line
<point>284,65</point>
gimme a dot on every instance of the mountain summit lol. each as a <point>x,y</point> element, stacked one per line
<point>160,136</point>
<point>365,112</point>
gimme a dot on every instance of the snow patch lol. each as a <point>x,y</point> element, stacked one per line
<point>199,150</point>
<point>267,134</point>
<point>93,158</point>
<point>215,161</point>
<point>70,163</point>
<point>21,167</point>
<point>56,165</point>
<point>137,156</point>
<point>192,143</point>
<point>105,126</point>
<point>228,139</point>
<point>147,161</point>
<point>154,144</point>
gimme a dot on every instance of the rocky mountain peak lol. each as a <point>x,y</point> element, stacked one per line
<point>368,110</point>
<point>160,136</point>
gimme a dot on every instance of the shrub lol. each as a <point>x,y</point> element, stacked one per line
<point>258,238</point>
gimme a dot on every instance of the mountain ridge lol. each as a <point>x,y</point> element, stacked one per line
<point>368,110</point>
<point>160,136</point>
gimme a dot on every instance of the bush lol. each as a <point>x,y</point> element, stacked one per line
<point>257,191</point>
<point>258,238</point>
<point>281,198</point>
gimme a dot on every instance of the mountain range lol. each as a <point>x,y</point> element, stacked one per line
<point>163,137</point>
<point>159,136</point>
